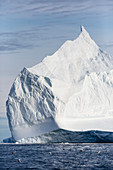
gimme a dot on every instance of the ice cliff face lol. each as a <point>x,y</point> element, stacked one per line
<point>72,89</point>
<point>30,104</point>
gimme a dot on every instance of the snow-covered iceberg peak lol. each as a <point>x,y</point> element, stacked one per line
<point>84,36</point>
<point>71,89</point>
<point>84,32</point>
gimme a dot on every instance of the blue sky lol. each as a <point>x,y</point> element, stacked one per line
<point>32,29</point>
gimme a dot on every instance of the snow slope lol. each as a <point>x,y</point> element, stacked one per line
<point>72,89</point>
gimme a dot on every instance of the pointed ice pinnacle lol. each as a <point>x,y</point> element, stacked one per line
<point>82,28</point>
<point>85,35</point>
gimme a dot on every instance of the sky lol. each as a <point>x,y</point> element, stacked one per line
<point>33,29</point>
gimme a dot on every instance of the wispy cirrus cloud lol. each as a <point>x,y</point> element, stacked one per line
<point>26,39</point>
<point>33,7</point>
<point>18,40</point>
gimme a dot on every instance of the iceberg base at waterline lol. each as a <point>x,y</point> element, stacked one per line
<point>70,90</point>
<point>65,137</point>
<point>34,130</point>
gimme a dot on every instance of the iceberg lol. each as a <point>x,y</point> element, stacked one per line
<point>71,90</point>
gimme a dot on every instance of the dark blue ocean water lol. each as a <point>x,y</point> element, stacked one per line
<point>56,156</point>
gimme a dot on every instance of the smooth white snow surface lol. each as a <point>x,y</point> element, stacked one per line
<point>72,89</point>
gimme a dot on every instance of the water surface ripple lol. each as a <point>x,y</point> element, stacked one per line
<point>56,156</point>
